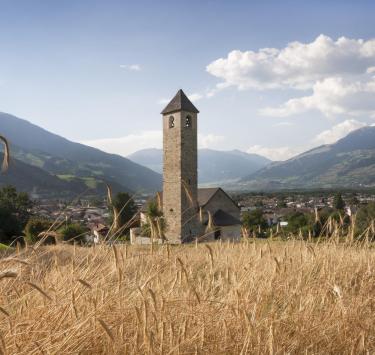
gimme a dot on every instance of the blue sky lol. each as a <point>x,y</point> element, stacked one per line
<point>100,71</point>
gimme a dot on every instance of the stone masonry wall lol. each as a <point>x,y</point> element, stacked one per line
<point>180,180</point>
<point>221,201</point>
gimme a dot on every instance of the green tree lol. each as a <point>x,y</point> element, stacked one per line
<point>14,212</point>
<point>298,221</point>
<point>155,226</point>
<point>124,207</point>
<point>73,232</point>
<point>254,220</point>
<point>365,218</point>
<point>338,202</point>
<point>9,226</point>
<point>281,202</point>
<point>34,227</point>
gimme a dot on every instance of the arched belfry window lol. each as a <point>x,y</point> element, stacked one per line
<point>171,121</point>
<point>188,122</point>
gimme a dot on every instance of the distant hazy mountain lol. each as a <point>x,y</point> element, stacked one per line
<point>350,162</point>
<point>213,165</point>
<point>71,162</point>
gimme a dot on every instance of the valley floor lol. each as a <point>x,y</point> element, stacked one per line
<point>259,298</point>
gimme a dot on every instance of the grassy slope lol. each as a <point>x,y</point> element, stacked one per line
<point>38,181</point>
<point>57,155</point>
<point>349,162</point>
<point>284,297</point>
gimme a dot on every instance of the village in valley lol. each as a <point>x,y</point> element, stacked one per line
<point>190,213</point>
<point>187,177</point>
<point>276,207</point>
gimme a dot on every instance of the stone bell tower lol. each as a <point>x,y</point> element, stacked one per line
<point>180,171</point>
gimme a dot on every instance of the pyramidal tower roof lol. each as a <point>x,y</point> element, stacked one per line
<point>180,103</point>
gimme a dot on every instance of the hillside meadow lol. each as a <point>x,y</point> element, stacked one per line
<point>247,298</point>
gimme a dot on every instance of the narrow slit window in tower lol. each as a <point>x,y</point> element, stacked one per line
<point>188,122</point>
<point>171,122</point>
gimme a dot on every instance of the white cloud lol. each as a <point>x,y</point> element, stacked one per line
<point>163,101</point>
<point>210,141</point>
<point>131,67</point>
<point>298,65</point>
<point>338,131</point>
<point>276,154</point>
<point>328,136</point>
<point>283,124</point>
<point>332,97</point>
<point>195,97</point>
<point>339,73</point>
<point>147,139</point>
<point>128,144</point>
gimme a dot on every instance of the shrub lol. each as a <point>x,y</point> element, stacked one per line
<point>74,232</point>
<point>14,213</point>
<point>34,227</point>
<point>254,220</point>
<point>298,221</point>
<point>125,209</point>
<point>365,218</point>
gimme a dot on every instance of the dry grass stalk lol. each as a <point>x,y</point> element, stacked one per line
<point>2,310</point>
<point>107,330</point>
<point>116,214</point>
<point>6,158</point>
<point>256,297</point>
<point>40,290</point>
<point>8,274</point>
<point>85,283</point>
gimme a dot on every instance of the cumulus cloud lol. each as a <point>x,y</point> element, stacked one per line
<point>210,140</point>
<point>338,131</point>
<point>339,73</point>
<point>298,65</point>
<point>276,154</point>
<point>163,101</point>
<point>283,124</point>
<point>131,67</point>
<point>195,97</point>
<point>128,144</point>
<point>147,139</point>
<point>332,96</point>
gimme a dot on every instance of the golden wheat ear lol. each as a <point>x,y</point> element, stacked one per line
<point>210,224</point>
<point>6,158</point>
<point>115,210</point>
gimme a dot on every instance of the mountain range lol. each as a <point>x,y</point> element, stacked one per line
<point>349,163</point>
<point>47,164</point>
<point>213,166</point>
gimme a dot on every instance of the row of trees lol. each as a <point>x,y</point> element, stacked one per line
<point>16,219</point>
<point>312,224</point>
<point>14,213</point>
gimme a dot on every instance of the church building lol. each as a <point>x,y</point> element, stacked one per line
<point>188,210</point>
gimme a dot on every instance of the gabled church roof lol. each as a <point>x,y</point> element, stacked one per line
<point>180,103</point>
<point>224,219</point>
<point>204,197</point>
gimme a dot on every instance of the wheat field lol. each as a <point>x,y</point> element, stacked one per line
<point>248,298</point>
